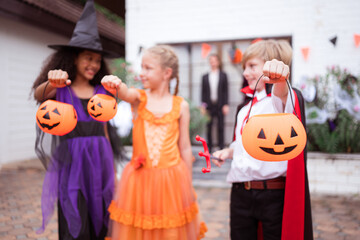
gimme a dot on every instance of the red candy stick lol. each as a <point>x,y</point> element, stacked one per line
<point>205,154</point>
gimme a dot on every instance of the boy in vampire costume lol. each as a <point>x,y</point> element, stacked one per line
<point>269,200</point>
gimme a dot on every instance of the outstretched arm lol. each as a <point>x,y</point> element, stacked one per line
<point>277,72</point>
<point>56,79</point>
<point>115,86</point>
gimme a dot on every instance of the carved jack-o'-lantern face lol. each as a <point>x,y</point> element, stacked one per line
<point>56,118</point>
<point>274,137</point>
<point>102,107</point>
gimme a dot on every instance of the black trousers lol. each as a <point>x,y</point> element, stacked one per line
<point>249,207</point>
<point>87,231</point>
<point>215,112</point>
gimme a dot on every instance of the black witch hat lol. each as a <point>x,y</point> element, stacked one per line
<point>85,35</point>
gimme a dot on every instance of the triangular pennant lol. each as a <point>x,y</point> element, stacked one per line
<point>357,40</point>
<point>237,56</point>
<point>333,40</point>
<point>305,52</point>
<point>256,40</point>
<point>205,50</point>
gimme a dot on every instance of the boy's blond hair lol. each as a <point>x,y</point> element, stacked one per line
<point>168,58</point>
<point>268,50</point>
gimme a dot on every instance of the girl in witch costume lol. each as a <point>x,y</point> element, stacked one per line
<point>155,198</point>
<point>80,164</point>
<point>269,200</point>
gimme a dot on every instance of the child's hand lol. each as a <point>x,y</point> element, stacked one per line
<point>111,83</point>
<point>275,71</point>
<point>222,154</point>
<point>58,78</point>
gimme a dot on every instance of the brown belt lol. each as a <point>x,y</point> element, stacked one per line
<point>276,183</point>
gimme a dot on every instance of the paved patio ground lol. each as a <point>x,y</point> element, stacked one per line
<point>335,217</point>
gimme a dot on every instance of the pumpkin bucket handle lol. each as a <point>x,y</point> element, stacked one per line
<point>68,88</point>
<point>252,98</point>
<point>116,95</point>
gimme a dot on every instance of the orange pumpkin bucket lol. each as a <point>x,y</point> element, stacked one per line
<point>56,118</point>
<point>274,137</point>
<point>102,107</point>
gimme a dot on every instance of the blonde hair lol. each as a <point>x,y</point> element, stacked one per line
<point>268,50</point>
<point>169,59</point>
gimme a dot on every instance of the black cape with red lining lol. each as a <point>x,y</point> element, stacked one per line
<point>297,220</point>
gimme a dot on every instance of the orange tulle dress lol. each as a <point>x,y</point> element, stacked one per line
<point>155,198</point>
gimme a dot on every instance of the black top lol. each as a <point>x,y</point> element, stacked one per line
<point>86,129</point>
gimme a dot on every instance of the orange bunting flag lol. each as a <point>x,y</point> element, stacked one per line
<point>237,56</point>
<point>256,40</point>
<point>205,50</point>
<point>305,52</point>
<point>357,40</point>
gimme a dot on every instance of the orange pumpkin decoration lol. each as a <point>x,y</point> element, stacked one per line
<point>56,118</point>
<point>102,107</point>
<point>274,137</point>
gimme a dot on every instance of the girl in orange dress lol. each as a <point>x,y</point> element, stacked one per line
<point>155,198</point>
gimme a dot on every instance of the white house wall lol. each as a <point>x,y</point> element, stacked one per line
<point>310,23</point>
<point>22,52</point>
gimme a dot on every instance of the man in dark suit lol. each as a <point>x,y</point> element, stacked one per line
<point>214,98</point>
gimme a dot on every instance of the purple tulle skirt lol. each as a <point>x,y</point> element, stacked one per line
<point>79,164</point>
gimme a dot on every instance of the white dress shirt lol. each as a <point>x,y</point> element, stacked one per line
<point>243,166</point>
<point>214,82</point>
